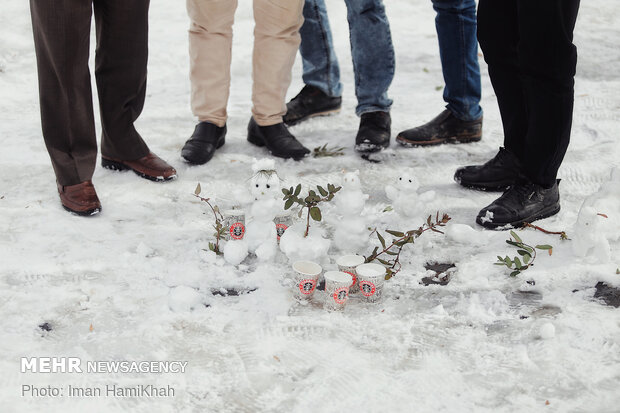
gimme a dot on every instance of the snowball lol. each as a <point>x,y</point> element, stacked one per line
<point>184,299</point>
<point>235,251</point>
<point>547,331</point>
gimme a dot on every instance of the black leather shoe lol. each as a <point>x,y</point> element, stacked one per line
<point>278,140</point>
<point>311,102</point>
<point>201,146</point>
<point>520,204</point>
<point>445,128</point>
<point>374,132</point>
<point>495,175</point>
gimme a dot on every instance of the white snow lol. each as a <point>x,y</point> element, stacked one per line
<point>134,282</point>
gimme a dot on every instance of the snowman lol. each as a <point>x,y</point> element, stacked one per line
<point>589,239</point>
<point>405,197</point>
<point>265,190</point>
<point>351,234</point>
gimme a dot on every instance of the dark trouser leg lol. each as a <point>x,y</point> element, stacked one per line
<point>498,34</point>
<point>120,69</point>
<point>61,38</point>
<point>547,59</point>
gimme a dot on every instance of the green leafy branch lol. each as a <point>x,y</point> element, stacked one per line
<point>310,202</point>
<point>324,151</point>
<point>393,250</point>
<point>220,231</point>
<point>526,252</point>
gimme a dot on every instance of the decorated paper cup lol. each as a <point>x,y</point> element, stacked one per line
<point>349,264</point>
<point>370,280</point>
<point>234,224</point>
<point>305,275</point>
<point>282,222</point>
<point>337,285</point>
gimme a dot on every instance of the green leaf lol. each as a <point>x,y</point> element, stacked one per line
<point>514,244</point>
<point>515,273</point>
<point>517,262</point>
<point>288,203</point>
<point>336,189</point>
<point>331,187</point>
<point>389,274</point>
<point>285,191</point>
<point>515,236</point>
<point>500,258</point>
<point>315,213</point>
<point>381,240</point>
<point>297,190</point>
<point>384,262</point>
<point>198,189</point>
<point>508,262</point>
<point>212,246</point>
<point>312,193</point>
<point>395,233</point>
<point>388,208</point>
<point>322,190</point>
<point>544,247</point>
<point>391,253</point>
<point>523,252</point>
<point>527,258</point>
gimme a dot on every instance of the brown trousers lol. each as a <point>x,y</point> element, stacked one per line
<point>276,40</point>
<point>62,38</point>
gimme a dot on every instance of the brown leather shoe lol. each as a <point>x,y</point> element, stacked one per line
<point>81,199</point>
<point>151,167</point>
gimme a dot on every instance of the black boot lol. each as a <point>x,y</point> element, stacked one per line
<point>311,102</point>
<point>495,175</point>
<point>201,146</point>
<point>374,132</point>
<point>277,139</point>
<point>520,204</point>
<point>445,128</point>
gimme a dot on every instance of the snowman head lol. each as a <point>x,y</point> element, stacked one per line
<point>351,181</point>
<point>265,182</point>
<point>587,219</point>
<point>406,181</point>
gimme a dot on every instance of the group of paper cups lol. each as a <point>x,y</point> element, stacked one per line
<point>354,276</point>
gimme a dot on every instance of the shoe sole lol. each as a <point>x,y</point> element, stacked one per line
<point>261,144</point>
<point>192,162</point>
<point>545,213</point>
<point>368,149</point>
<point>89,213</point>
<point>434,142</point>
<point>119,166</point>
<point>313,115</point>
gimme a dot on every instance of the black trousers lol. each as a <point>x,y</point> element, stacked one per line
<point>528,45</point>
<point>62,38</point>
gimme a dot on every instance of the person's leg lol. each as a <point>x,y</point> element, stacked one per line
<point>458,48</point>
<point>276,40</point>
<point>498,34</point>
<point>120,70</point>
<point>61,37</point>
<point>547,62</point>
<point>320,64</point>
<point>373,54</point>
<point>210,53</point>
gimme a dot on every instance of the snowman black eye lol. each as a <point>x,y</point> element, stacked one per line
<point>268,186</point>
<point>400,179</point>
<point>410,180</point>
<point>257,185</point>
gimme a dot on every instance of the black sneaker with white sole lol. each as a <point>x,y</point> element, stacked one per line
<point>520,204</point>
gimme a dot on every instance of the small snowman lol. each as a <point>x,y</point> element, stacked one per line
<point>405,197</point>
<point>265,189</point>
<point>589,239</point>
<point>351,234</point>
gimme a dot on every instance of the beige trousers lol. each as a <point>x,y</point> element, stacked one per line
<point>276,40</point>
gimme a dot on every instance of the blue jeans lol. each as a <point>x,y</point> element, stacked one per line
<point>371,49</point>
<point>458,48</point>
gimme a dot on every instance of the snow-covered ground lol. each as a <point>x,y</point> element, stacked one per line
<point>135,284</point>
